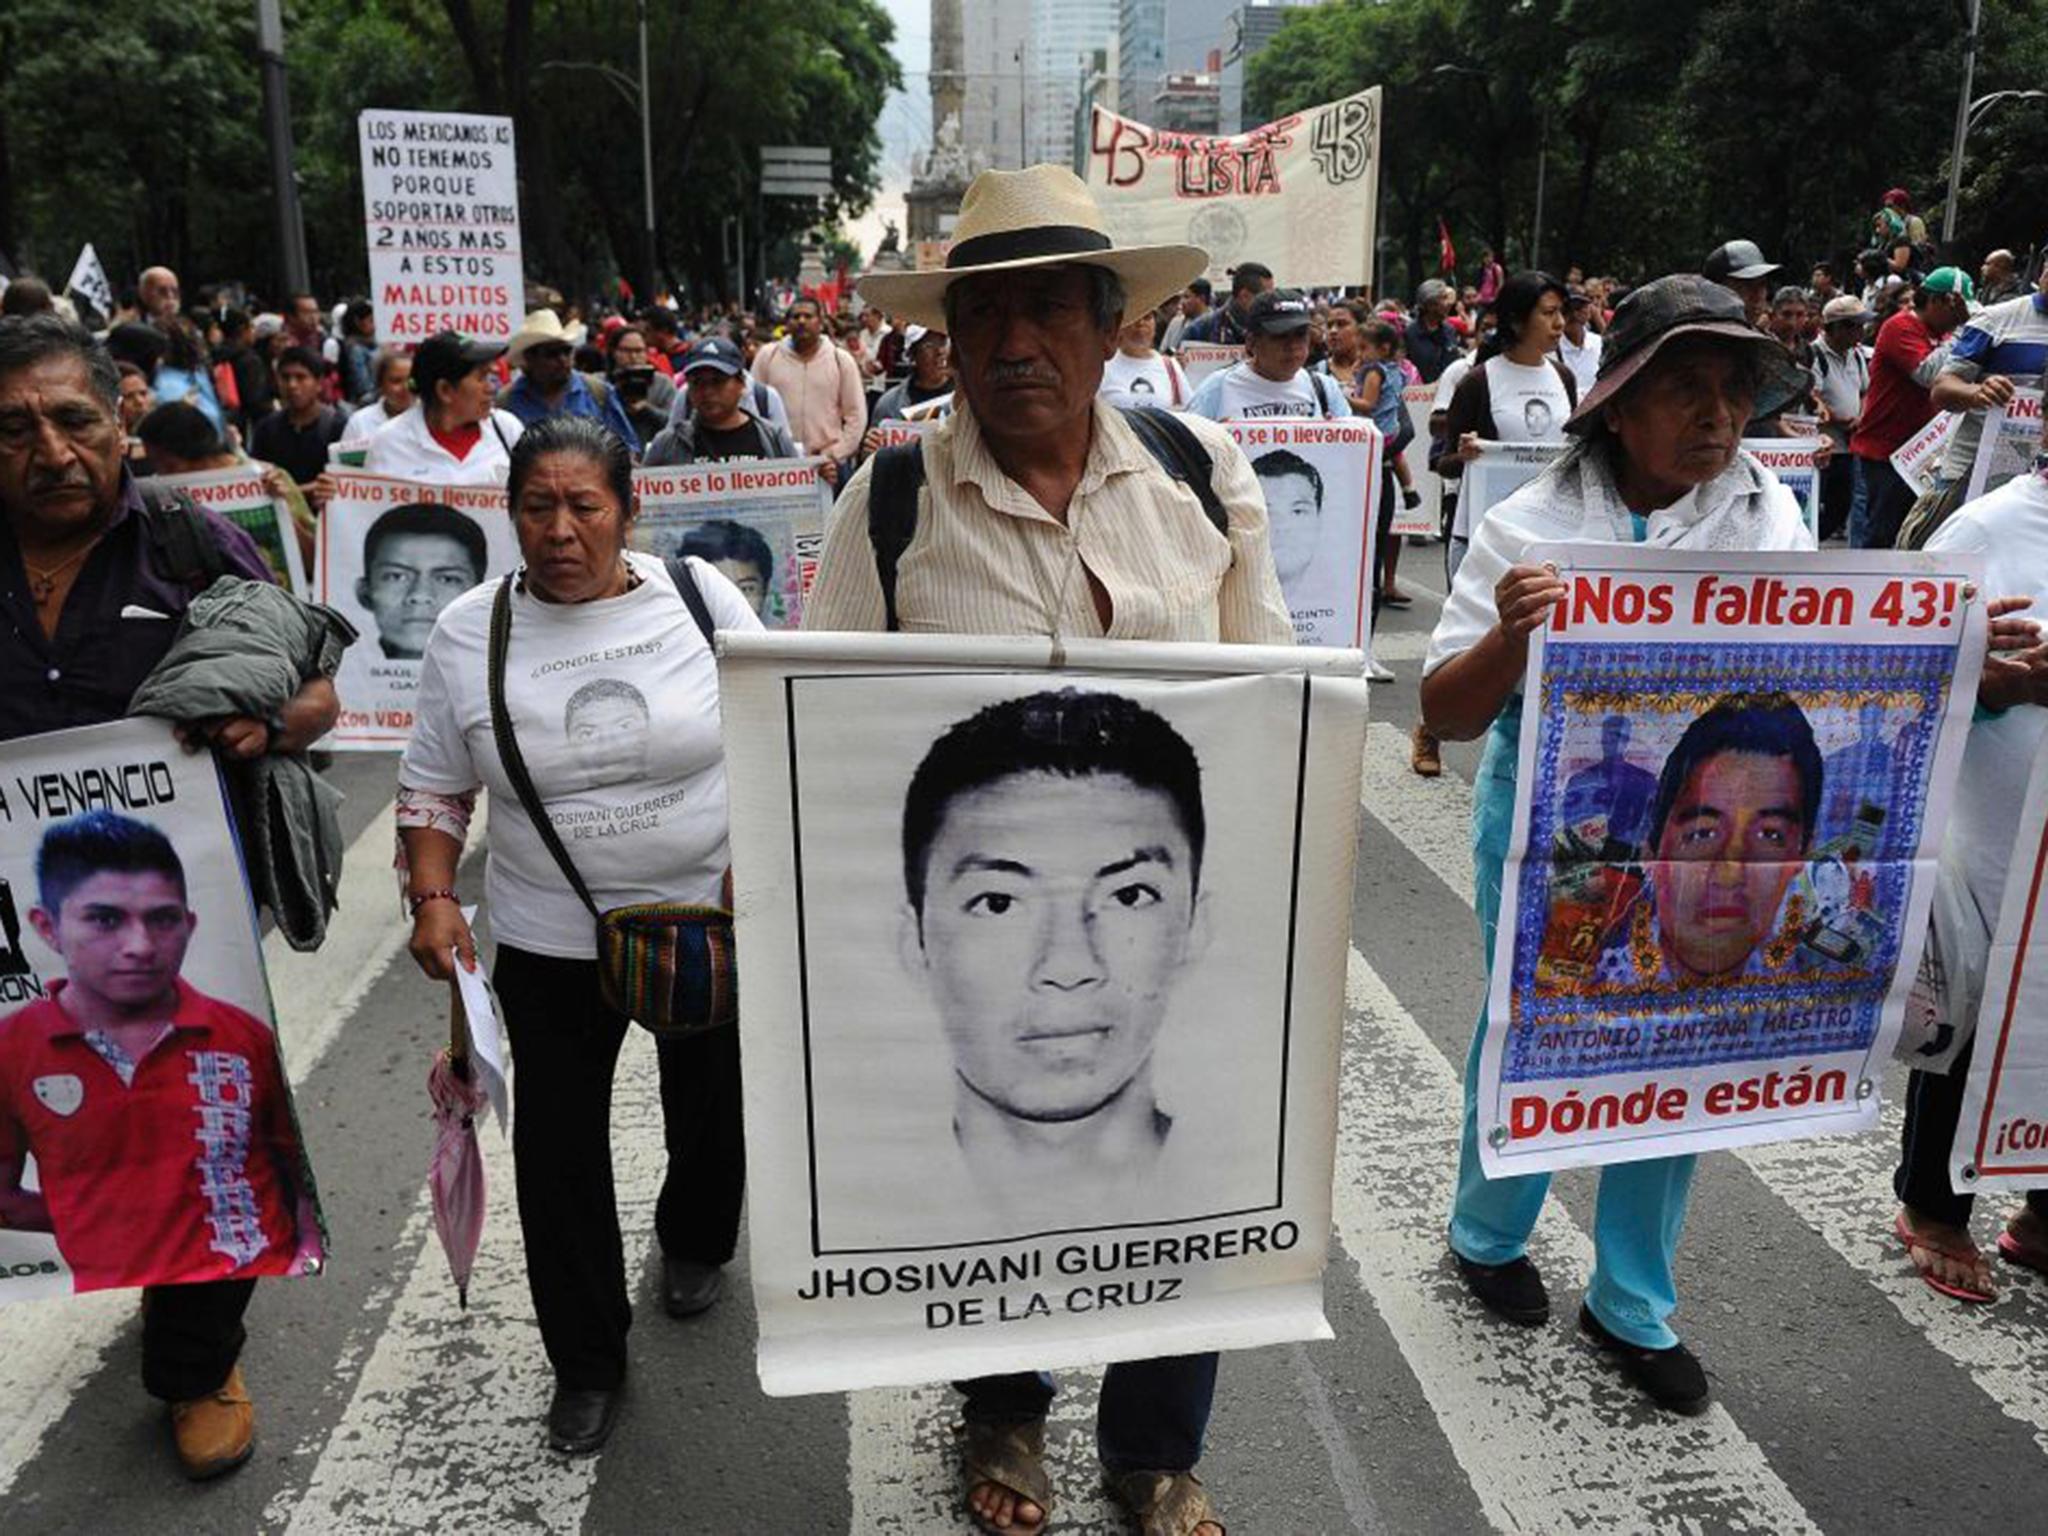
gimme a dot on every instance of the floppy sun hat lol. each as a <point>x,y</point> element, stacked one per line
<point>1044,216</point>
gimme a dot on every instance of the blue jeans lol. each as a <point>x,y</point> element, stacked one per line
<point>1642,1204</point>
<point>1151,1417</point>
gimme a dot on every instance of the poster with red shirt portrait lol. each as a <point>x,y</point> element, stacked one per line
<point>147,1134</point>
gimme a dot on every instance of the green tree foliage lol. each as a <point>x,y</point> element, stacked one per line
<point>139,126</point>
<point>1665,129</point>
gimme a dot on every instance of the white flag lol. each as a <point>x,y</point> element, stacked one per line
<point>89,281</point>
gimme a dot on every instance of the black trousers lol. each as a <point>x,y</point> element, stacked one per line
<point>1383,533</point>
<point>192,1335</point>
<point>1888,498</point>
<point>565,1044</point>
<point>1837,491</point>
<point>1934,1103</point>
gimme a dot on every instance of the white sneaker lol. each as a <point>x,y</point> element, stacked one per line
<point>1377,671</point>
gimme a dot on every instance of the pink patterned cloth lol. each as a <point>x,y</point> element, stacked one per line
<point>424,809</point>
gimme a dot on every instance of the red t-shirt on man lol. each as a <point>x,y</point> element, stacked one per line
<point>185,1173</point>
<point>1894,407</point>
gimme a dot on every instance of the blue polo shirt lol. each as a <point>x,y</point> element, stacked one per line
<point>523,401</point>
<point>2009,338</point>
<point>118,620</point>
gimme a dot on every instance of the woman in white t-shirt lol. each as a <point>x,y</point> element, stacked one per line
<point>612,692</point>
<point>1140,374</point>
<point>1517,391</point>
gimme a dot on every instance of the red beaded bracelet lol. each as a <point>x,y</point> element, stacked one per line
<point>414,903</point>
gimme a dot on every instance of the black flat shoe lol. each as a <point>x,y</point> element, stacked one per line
<point>1671,1378</point>
<point>1513,1290</point>
<point>688,1287</point>
<point>580,1419</point>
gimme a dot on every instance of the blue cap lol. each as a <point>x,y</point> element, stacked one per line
<point>714,352</point>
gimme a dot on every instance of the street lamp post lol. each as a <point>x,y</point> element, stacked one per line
<point>1955,154</point>
<point>292,270</point>
<point>637,97</point>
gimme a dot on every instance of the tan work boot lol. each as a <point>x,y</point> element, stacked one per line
<point>1423,756</point>
<point>215,1433</point>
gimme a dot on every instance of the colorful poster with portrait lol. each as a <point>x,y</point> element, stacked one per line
<point>240,496</point>
<point>392,554</point>
<point>1041,988</point>
<point>1734,774</point>
<point>147,1135</point>
<point>2002,1134</point>
<point>1322,486</point>
<point>1795,461</point>
<point>761,522</point>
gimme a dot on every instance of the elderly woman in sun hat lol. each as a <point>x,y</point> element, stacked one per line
<point>1656,459</point>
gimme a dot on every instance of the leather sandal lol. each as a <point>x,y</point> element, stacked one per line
<point>1009,1453</point>
<point>1165,1503</point>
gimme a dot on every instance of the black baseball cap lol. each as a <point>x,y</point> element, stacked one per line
<point>1683,305</point>
<point>449,355</point>
<point>717,353</point>
<point>1278,312</point>
<point>1742,260</point>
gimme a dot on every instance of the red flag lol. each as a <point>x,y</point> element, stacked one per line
<point>1446,253</point>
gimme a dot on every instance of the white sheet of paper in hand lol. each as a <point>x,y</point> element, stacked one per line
<point>486,1039</point>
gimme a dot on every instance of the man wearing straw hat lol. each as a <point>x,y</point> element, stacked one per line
<point>1037,509</point>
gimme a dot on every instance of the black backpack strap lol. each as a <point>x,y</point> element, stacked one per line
<point>893,487</point>
<point>692,595</point>
<point>182,545</point>
<point>1181,454</point>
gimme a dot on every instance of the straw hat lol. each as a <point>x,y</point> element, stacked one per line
<point>1044,216</point>
<point>543,326</point>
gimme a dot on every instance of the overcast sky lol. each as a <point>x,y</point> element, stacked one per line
<point>906,120</point>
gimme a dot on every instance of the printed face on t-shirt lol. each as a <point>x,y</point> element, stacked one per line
<point>407,581</point>
<point>122,935</point>
<point>1294,509</point>
<point>1057,914</point>
<point>606,722</point>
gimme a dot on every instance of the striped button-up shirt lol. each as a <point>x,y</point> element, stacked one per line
<point>987,559</point>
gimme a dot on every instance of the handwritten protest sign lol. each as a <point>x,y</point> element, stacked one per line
<point>1300,193</point>
<point>1497,473</point>
<point>902,806</point>
<point>1322,485</point>
<point>761,522</point>
<point>129,1156</point>
<point>2012,436</point>
<point>1424,518</point>
<point>1734,774</point>
<point>1793,461</point>
<point>240,496</point>
<point>392,554</point>
<point>441,201</point>
<point>2002,1134</point>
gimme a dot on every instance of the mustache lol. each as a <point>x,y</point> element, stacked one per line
<point>1022,373</point>
<point>73,479</point>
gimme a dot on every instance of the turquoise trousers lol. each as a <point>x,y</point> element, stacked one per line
<point>1642,1204</point>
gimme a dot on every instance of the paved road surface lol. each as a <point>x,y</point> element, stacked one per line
<point>1851,1400</point>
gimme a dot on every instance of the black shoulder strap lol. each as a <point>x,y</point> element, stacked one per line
<point>893,487</point>
<point>685,579</point>
<point>508,743</point>
<point>181,543</point>
<point>1315,382</point>
<point>1180,453</point>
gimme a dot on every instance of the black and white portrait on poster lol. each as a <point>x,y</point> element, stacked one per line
<point>1321,481</point>
<point>1068,949</point>
<point>392,554</point>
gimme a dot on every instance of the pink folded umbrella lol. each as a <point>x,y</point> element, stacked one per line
<point>456,1175</point>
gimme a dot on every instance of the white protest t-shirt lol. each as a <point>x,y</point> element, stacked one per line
<point>1242,393</point>
<point>615,705</point>
<point>1529,403</point>
<point>1154,380</point>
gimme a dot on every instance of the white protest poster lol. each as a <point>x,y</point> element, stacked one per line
<point>88,280</point>
<point>1918,458</point>
<point>1299,194</point>
<point>1424,519</point>
<point>760,521</point>
<point>1041,981</point>
<point>1199,359</point>
<point>486,1037</point>
<point>392,554</point>
<point>898,431</point>
<point>240,496</point>
<point>1321,480</point>
<point>1497,473</point>
<point>1735,770</point>
<point>2002,1134</point>
<point>147,1135</point>
<point>441,206</point>
<point>2012,436</point>
<point>1793,460</point>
